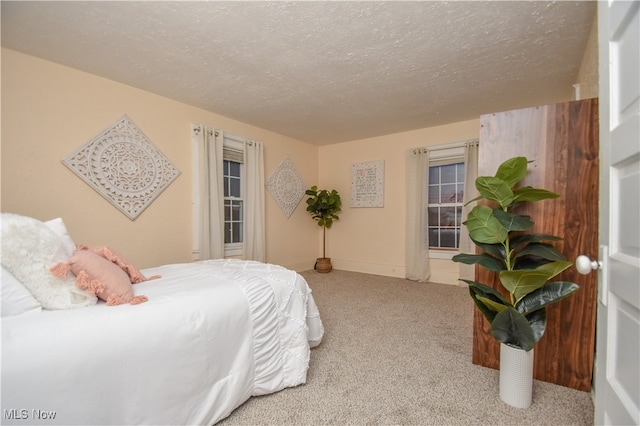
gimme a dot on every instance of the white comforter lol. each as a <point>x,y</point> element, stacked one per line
<point>211,335</point>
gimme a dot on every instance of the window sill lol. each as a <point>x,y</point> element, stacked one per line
<point>442,254</point>
<point>234,249</point>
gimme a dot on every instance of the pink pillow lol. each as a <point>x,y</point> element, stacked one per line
<point>99,276</point>
<point>108,253</point>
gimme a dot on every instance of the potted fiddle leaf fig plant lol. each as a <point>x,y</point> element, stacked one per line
<point>525,262</point>
<point>323,206</point>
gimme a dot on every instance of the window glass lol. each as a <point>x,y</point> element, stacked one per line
<point>434,175</point>
<point>446,187</point>
<point>434,216</point>
<point>434,194</point>
<point>234,169</point>
<point>234,187</point>
<point>447,216</point>
<point>448,194</point>
<point>448,173</point>
<point>460,177</point>
<point>233,221</point>
<point>448,237</point>
<point>233,202</point>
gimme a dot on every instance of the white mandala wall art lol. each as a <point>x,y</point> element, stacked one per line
<point>123,166</point>
<point>286,186</point>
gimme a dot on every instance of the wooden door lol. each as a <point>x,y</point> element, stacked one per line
<point>562,140</point>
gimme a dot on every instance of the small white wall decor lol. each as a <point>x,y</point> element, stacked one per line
<point>367,184</point>
<point>123,166</point>
<point>286,186</point>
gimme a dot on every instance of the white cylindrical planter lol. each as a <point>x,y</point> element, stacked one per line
<point>516,376</point>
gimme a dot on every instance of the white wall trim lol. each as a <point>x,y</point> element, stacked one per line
<point>388,270</point>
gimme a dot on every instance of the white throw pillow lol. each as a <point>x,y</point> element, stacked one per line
<point>57,225</point>
<point>29,249</point>
<point>16,299</point>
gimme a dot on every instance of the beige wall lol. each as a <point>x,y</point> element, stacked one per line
<point>49,110</point>
<point>372,240</point>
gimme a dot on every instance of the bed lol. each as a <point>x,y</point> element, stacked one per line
<point>211,335</point>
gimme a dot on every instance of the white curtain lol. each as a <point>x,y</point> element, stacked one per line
<point>417,241</point>
<point>253,190</point>
<point>208,144</point>
<point>470,192</point>
<point>210,191</point>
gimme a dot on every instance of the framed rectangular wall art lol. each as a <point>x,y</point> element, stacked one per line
<point>367,184</point>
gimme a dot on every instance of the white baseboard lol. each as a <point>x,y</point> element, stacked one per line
<point>444,278</point>
<point>440,270</point>
<point>301,266</point>
<point>397,271</point>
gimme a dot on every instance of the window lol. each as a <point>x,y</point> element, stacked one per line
<point>446,188</point>
<point>436,177</point>
<point>232,202</point>
<point>228,195</point>
<point>233,168</point>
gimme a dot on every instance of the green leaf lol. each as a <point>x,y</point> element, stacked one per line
<point>554,268</point>
<point>512,328</point>
<point>522,282</point>
<point>484,227</point>
<point>538,322</point>
<point>513,170</point>
<point>490,304</point>
<point>529,262</point>
<point>489,262</point>
<point>545,251</point>
<point>495,189</point>
<point>486,291</point>
<point>546,295</point>
<point>533,238</point>
<point>477,289</point>
<point>479,197</point>
<point>323,205</point>
<point>513,222</point>
<point>496,250</point>
<point>528,193</point>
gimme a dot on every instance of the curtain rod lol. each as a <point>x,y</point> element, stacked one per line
<point>449,145</point>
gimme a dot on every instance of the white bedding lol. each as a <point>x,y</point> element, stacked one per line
<point>211,335</point>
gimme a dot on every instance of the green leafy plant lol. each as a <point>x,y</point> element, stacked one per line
<point>525,262</point>
<point>323,206</point>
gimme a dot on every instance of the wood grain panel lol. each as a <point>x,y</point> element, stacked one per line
<point>562,140</point>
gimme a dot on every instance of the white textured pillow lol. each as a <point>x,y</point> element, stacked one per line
<point>16,299</point>
<point>29,249</point>
<point>57,225</point>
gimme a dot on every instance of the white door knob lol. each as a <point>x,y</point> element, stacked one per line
<point>584,264</point>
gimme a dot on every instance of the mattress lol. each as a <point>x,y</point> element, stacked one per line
<point>213,334</point>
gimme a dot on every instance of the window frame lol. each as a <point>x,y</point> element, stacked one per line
<point>441,156</point>
<point>234,143</point>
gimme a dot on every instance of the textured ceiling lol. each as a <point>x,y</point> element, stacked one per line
<point>321,72</point>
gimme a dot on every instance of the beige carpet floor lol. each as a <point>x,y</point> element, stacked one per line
<point>396,352</point>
